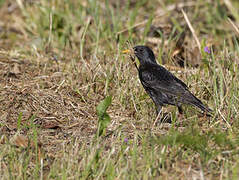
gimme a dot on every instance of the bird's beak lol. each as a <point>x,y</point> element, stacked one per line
<point>127,51</point>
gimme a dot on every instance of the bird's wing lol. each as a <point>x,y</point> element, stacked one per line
<point>158,78</point>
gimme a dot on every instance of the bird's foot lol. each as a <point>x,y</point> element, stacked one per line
<point>166,118</point>
<point>163,118</point>
<point>180,119</point>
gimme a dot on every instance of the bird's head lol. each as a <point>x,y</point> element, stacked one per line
<point>143,53</point>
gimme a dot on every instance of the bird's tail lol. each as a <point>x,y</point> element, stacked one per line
<point>196,102</point>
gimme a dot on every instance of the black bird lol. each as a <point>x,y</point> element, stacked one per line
<point>161,85</point>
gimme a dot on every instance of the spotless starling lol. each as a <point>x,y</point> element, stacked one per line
<point>161,85</point>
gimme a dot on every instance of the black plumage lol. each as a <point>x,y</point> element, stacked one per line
<point>161,85</point>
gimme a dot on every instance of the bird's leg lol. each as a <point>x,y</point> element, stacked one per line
<point>180,110</point>
<point>180,116</point>
<point>158,112</point>
<point>162,117</point>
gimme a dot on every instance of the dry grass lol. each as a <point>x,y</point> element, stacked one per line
<point>59,60</point>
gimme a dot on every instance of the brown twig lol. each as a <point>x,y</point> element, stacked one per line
<point>133,60</point>
<point>233,25</point>
<point>191,29</point>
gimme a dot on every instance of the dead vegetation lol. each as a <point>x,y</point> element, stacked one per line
<point>58,64</point>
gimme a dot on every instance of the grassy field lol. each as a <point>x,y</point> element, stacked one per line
<point>72,106</point>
